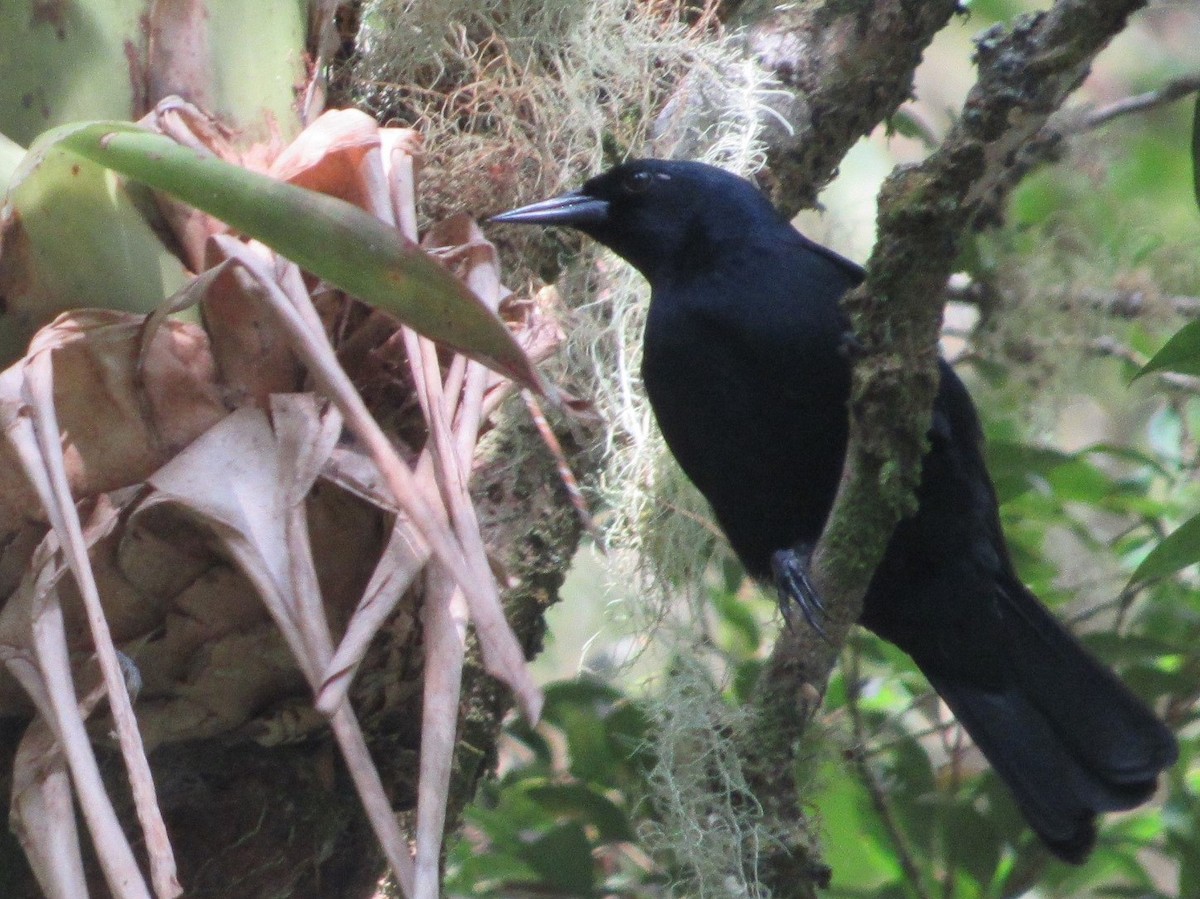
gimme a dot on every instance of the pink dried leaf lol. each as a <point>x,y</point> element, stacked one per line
<point>64,519</point>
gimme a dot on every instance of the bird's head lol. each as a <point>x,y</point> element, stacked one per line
<point>657,214</point>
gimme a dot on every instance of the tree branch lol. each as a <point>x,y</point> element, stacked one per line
<point>846,65</point>
<point>1168,93</point>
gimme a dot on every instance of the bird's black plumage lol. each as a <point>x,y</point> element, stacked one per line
<point>746,371</point>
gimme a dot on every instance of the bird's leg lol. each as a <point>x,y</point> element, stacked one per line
<point>790,569</point>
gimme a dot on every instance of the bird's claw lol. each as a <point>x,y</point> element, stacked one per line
<point>790,568</point>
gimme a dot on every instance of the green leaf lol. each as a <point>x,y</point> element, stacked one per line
<point>66,62</point>
<point>488,873</point>
<point>1178,549</point>
<point>323,235</point>
<point>593,756</point>
<point>1015,467</point>
<point>563,859</point>
<point>579,691</point>
<point>1180,354</point>
<point>1081,481</point>
<point>739,616</point>
<point>586,806</point>
<point>1196,149</point>
<point>858,847</point>
<point>243,71</point>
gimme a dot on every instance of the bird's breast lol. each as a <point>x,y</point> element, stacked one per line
<point>760,432</point>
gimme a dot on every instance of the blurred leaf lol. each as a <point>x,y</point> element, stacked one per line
<point>563,858</point>
<point>906,124</point>
<point>1196,149</point>
<point>578,692</point>
<point>520,729</point>
<point>972,843</point>
<point>586,806</point>
<point>859,849</point>
<point>913,792</point>
<point>1180,354</point>
<point>323,235</point>
<point>1178,549</point>
<point>745,678</point>
<point>738,616</point>
<point>1118,648</point>
<point>1016,467</point>
<point>511,820</point>
<point>1080,481</point>
<point>486,873</point>
<point>591,715</point>
<point>592,755</point>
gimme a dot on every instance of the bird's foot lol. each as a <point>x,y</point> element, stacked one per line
<point>796,589</point>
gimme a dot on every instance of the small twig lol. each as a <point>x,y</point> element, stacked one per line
<point>64,519</point>
<point>878,798</point>
<point>1133,303</point>
<point>1102,115</point>
<point>569,481</point>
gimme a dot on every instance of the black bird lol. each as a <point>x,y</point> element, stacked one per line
<point>746,371</point>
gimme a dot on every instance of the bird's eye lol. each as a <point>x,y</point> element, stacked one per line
<point>637,182</point>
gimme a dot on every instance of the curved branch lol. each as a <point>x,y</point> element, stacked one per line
<point>846,65</point>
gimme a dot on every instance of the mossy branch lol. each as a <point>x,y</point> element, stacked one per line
<point>1026,72</point>
<point>846,65</point>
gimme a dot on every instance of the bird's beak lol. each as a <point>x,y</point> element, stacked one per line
<point>573,209</point>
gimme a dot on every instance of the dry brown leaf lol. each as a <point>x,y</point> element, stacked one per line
<point>250,349</point>
<point>328,155</point>
<point>402,560</point>
<point>43,809</point>
<point>118,427</point>
<point>237,479</point>
<point>502,653</point>
<point>43,814</point>
<point>35,652</point>
<point>41,454</point>
<point>445,617</point>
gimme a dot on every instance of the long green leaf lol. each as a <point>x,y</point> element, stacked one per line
<point>1178,550</point>
<point>323,235</point>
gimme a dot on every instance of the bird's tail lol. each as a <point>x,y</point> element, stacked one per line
<point>1060,729</point>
